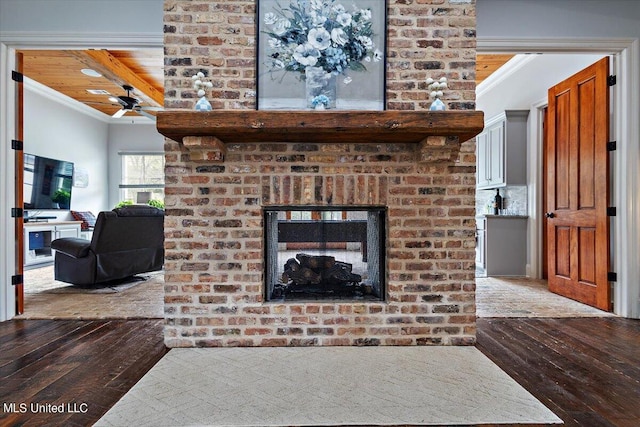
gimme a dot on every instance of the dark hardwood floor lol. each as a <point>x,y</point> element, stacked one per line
<point>85,366</point>
<point>586,370</point>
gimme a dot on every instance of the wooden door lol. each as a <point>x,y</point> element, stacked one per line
<point>19,159</point>
<point>577,187</point>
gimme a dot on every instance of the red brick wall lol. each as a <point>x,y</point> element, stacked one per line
<point>214,237</point>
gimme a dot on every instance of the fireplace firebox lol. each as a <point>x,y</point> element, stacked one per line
<point>321,253</point>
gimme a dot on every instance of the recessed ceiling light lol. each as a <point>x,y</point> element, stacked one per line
<point>91,73</point>
<point>98,92</point>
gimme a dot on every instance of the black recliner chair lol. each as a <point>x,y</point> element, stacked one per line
<point>126,241</point>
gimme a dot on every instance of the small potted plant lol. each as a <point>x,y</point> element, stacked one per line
<point>62,198</point>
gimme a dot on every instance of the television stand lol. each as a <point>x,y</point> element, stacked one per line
<point>39,235</point>
<point>39,218</point>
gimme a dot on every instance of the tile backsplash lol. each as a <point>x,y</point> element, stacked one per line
<point>515,200</point>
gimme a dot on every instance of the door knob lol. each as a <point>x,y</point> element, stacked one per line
<point>549,215</point>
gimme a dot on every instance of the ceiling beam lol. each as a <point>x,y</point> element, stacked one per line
<point>114,70</point>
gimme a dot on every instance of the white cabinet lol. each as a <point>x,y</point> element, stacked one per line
<point>39,235</point>
<point>501,156</point>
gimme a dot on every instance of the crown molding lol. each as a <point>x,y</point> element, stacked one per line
<point>551,45</point>
<point>60,98</point>
<point>502,73</point>
<point>37,39</point>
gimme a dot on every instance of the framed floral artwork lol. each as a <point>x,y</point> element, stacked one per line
<point>321,54</point>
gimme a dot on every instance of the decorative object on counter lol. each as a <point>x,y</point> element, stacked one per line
<point>497,203</point>
<point>198,84</point>
<point>317,41</point>
<point>435,91</point>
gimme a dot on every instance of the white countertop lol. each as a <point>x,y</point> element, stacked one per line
<point>490,216</point>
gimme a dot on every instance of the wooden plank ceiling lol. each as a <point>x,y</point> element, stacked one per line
<point>142,69</point>
<point>487,64</point>
<point>60,70</point>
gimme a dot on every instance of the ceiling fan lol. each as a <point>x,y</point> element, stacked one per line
<point>131,103</point>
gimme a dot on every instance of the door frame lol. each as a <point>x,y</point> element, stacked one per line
<point>625,178</point>
<point>10,42</point>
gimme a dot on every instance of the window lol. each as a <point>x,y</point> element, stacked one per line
<point>142,177</point>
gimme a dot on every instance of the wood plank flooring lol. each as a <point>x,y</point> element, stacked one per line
<point>586,370</point>
<point>85,366</point>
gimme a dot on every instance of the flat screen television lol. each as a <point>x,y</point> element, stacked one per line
<point>47,183</point>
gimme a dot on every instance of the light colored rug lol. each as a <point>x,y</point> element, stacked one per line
<point>326,386</point>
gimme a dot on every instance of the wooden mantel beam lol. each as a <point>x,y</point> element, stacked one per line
<point>438,133</point>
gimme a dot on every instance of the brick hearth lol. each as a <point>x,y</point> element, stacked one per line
<point>214,292</point>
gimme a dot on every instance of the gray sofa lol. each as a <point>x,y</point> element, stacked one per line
<point>126,241</point>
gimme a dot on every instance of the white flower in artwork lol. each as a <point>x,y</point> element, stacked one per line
<point>339,37</point>
<point>344,19</point>
<point>317,19</point>
<point>270,18</point>
<point>306,54</point>
<point>339,9</point>
<point>319,38</point>
<point>377,55</point>
<point>366,42</point>
<point>281,27</point>
<point>365,14</point>
<point>275,43</point>
<point>347,80</point>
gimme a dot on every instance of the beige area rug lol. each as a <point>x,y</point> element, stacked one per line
<point>524,297</point>
<point>326,386</point>
<point>46,298</point>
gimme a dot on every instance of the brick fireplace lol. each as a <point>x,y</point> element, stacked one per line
<point>227,169</point>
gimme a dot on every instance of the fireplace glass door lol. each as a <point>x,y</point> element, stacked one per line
<point>324,254</point>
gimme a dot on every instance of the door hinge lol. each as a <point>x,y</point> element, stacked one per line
<point>612,145</point>
<point>18,279</point>
<point>16,212</point>
<point>611,80</point>
<point>611,211</point>
<point>17,145</point>
<point>17,77</point>
<point>612,277</point>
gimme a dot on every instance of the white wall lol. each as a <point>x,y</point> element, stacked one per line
<point>56,131</point>
<point>82,16</point>
<point>557,18</point>
<point>129,137</point>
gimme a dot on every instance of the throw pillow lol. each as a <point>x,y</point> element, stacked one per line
<point>87,218</point>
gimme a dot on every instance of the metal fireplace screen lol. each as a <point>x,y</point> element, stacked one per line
<point>324,254</point>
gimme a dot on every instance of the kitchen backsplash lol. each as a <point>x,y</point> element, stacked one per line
<point>515,200</point>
